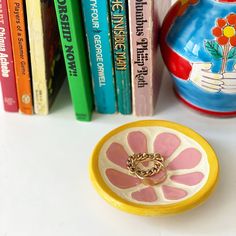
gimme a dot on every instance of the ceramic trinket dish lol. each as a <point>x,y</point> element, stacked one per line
<point>153,168</point>
<point>198,45</point>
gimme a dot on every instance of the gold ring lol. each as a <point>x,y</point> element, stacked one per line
<point>134,161</point>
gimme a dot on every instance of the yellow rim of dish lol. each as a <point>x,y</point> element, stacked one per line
<point>139,209</point>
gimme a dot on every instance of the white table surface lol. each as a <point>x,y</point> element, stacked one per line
<point>45,188</point>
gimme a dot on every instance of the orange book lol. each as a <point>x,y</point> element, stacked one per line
<point>20,54</point>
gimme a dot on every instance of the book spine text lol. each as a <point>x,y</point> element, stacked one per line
<point>120,40</point>
<point>69,17</point>
<point>7,74</point>
<point>20,55</point>
<point>97,26</point>
<point>143,39</point>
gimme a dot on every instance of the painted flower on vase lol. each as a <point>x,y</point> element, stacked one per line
<point>224,47</point>
<point>225,31</point>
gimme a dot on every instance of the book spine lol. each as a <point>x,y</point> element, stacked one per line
<point>120,40</point>
<point>143,37</point>
<point>97,25</point>
<point>70,22</point>
<point>20,55</point>
<point>37,56</point>
<point>7,74</point>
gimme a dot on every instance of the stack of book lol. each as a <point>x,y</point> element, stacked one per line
<point>109,48</point>
<point>31,59</point>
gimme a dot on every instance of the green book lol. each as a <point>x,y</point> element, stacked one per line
<point>70,22</point>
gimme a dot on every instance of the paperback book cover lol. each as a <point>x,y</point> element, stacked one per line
<point>143,38</point>
<point>70,22</point>
<point>97,26</point>
<point>47,62</point>
<point>120,42</point>
<point>7,74</point>
<point>20,54</point>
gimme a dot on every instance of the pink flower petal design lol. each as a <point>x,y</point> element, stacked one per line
<point>187,159</point>
<point>137,142</point>
<point>117,154</point>
<point>172,193</point>
<point>188,179</point>
<point>145,195</point>
<point>166,143</point>
<point>121,180</point>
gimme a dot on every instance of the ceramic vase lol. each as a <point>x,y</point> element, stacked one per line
<point>198,44</point>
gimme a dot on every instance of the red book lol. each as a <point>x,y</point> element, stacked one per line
<point>7,74</point>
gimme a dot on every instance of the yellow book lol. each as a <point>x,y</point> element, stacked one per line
<point>45,53</point>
